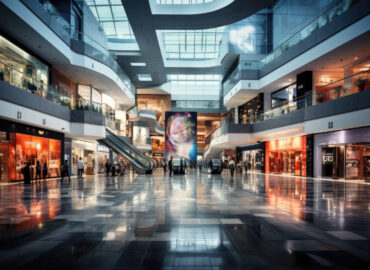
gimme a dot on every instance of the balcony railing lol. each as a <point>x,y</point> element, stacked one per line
<point>323,19</point>
<point>53,93</point>
<point>326,17</point>
<point>344,87</point>
<point>100,52</point>
<point>19,79</point>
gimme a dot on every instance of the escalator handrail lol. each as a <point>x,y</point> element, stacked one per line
<point>133,149</point>
<point>129,150</point>
<point>121,150</point>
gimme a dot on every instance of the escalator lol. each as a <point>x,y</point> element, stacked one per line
<point>141,163</point>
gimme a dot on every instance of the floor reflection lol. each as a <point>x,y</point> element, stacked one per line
<point>194,221</point>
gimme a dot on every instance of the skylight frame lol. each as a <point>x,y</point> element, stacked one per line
<point>202,44</point>
<point>116,28</point>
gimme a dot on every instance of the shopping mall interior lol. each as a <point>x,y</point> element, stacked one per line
<point>184,134</point>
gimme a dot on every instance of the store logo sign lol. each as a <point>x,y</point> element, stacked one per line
<point>19,115</point>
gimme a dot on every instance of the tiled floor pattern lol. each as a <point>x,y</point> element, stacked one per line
<point>193,221</point>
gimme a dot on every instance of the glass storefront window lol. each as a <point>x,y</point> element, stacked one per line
<point>21,69</point>
<point>23,148</point>
<point>286,156</point>
<point>358,161</point>
<point>253,159</point>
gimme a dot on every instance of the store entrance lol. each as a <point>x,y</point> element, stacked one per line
<point>333,162</point>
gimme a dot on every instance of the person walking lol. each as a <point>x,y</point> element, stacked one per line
<point>38,171</point>
<point>164,165</point>
<point>107,167</point>
<point>65,171</point>
<point>27,173</point>
<point>232,167</point>
<point>170,166</point>
<point>80,168</point>
<point>113,170</point>
<point>45,171</point>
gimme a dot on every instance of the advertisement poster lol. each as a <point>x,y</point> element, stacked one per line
<point>181,135</point>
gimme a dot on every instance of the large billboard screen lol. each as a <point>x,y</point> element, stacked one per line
<point>181,135</point>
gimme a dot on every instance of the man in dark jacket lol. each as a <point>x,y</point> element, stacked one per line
<point>170,166</point>
<point>27,173</point>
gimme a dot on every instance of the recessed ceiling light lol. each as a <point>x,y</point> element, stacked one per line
<point>138,64</point>
<point>144,77</point>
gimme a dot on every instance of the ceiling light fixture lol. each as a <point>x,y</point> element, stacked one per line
<point>144,77</point>
<point>138,64</point>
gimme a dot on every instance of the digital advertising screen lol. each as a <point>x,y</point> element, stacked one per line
<point>181,135</point>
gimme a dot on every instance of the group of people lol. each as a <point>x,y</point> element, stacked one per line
<point>170,166</point>
<point>41,172</point>
<point>116,168</point>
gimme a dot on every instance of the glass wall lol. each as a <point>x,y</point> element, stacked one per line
<point>253,160</point>
<point>21,69</point>
<point>86,150</point>
<point>23,148</point>
<point>284,96</point>
<point>286,156</point>
<point>248,112</point>
<point>88,98</point>
<point>109,110</point>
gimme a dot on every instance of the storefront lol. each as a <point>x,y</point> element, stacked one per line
<point>253,157</point>
<point>87,151</point>
<point>247,113</point>
<point>21,143</point>
<point>103,156</point>
<point>343,154</point>
<point>289,156</point>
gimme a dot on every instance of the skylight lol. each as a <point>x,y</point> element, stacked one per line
<point>113,19</point>
<point>196,79</point>
<point>183,2</point>
<point>192,44</point>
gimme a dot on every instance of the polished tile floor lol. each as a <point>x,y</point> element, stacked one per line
<point>193,221</point>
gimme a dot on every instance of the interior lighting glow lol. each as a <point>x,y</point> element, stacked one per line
<point>138,64</point>
<point>144,77</point>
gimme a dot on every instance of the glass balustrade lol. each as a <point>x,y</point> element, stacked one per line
<point>326,17</point>
<point>54,93</point>
<point>19,79</point>
<point>99,51</point>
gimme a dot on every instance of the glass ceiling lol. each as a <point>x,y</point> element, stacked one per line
<point>182,2</point>
<point>112,17</point>
<point>192,44</point>
<point>197,79</point>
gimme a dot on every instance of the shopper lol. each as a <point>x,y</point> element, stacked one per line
<point>45,171</point>
<point>38,171</point>
<point>65,171</point>
<point>80,168</point>
<point>164,165</point>
<point>232,167</point>
<point>107,167</point>
<point>170,166</point>
<point>246,166</point>
<point>27,173</point>
<point>118,169</point>
<point>113,170</point>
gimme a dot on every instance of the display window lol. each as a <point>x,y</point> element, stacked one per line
<point>253,160</point>
<point>87,151</point>
<point>286,156</point>
<point>23,148</point>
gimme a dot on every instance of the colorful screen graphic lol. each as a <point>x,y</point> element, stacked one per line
<point>181,135</point>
